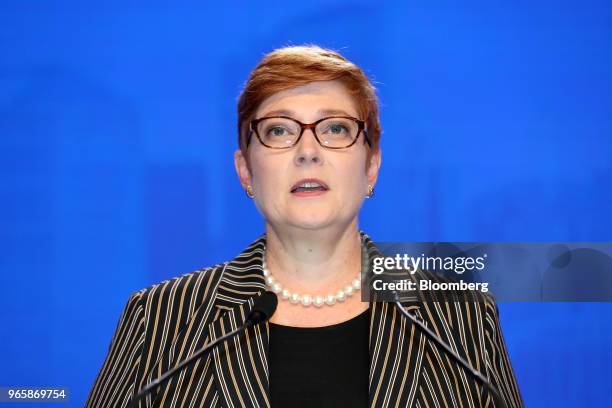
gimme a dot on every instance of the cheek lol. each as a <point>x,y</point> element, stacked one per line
<point>353,177</point>
<point>267,178</point>
<point>258,169</point>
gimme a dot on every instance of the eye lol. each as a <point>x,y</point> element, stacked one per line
<point>337,128</point>
<point>278,128</point>
<point>277,131</point>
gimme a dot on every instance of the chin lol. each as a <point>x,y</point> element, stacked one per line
<point>314,222</point>
<point>310,224</point>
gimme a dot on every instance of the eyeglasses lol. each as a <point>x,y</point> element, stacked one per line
<point>282,132</point>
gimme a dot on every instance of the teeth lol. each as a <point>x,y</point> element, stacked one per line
<point>310,185</point>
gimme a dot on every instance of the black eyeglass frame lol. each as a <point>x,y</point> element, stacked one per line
<point>303,126</point>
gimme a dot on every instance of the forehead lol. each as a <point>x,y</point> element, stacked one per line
<point>310,101</point>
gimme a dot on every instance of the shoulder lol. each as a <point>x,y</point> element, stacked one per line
<point>173,301</point>
<point>192,288</point>
<point>232,281</point>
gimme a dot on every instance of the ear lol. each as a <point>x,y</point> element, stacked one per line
<point>373,167</point>
<point>242,168</point>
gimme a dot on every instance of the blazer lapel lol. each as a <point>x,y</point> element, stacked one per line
<point>396,346</point>
<point>241,364</point>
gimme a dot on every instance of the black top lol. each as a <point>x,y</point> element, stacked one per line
<point>320,366</point>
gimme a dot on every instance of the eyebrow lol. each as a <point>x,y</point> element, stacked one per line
<point>321,112</point>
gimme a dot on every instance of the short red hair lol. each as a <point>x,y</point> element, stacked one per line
<point>290,67</point>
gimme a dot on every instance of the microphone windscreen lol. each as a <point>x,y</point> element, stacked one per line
<point>264,307</point>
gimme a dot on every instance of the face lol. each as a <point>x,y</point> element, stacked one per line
<point>274,174</point>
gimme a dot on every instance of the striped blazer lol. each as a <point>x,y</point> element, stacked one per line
<point>164,324</point>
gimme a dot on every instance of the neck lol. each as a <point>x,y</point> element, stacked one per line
<point>314,261</point>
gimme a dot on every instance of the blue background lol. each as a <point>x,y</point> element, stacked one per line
<point>117,128</point>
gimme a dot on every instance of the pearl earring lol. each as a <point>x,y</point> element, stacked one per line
<point>370,191</point>
<point>249,191</point>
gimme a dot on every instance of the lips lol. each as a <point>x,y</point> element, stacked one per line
<point>309,185</point>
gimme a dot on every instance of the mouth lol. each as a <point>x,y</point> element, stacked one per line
<point>309,186</point>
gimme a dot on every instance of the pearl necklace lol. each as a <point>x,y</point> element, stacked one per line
<point>307,300</point>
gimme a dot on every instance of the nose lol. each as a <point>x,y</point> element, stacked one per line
<point>308,151</point>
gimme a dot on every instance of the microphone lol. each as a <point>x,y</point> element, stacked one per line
<point>263,309</point>
<point>458,359</point>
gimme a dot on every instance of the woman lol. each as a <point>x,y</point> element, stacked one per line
<point>309,154</point>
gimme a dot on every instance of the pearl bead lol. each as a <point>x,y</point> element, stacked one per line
<point>307,300</point>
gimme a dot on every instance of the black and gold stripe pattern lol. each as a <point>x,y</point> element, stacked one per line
<point>164,324</point>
